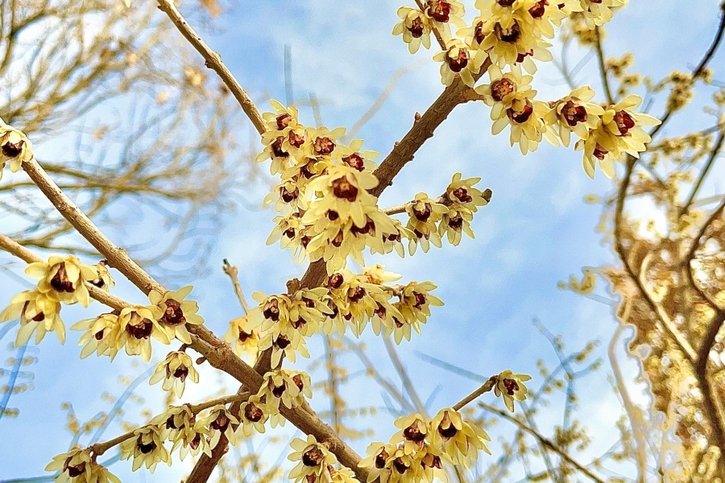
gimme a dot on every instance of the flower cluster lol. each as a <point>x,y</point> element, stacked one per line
<point>134,326</point>
<point>511,34</point>
<point>79,465</point>
<point>511,387</point>
<point>15,148</point>
<point>429,220</point>
<point>419,449</point>
<point>62,279</point>
<point>327,210</point>
<point>315,461</point>
<point>346,301</point>
<point>174,370</point>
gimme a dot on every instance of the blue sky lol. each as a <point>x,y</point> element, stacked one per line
<point>535,232</point>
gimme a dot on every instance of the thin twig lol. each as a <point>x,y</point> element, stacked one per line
<point>544,441</point>
<point>603,67</point>
<point>214,61</point>
<point>233,274</point>
<point>705,170</point>
<point>486,387</point>
<point>404,377</point>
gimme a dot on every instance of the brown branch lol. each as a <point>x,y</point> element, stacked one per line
<point>544,442</point>
<point>214,61</point>
<point>402,152</point>
<point>487,386</point>
<point>700,66</point>
<point>603,66</point>
<point>705,170</point>
<point>713,47</point>
<point>633,275</point>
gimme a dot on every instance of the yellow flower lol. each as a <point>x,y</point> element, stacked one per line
<point>511,387</point>
<point>512,103</point>
<point>103,279</point>
<point>178,424</point>
<point>344,190</point>
<point>424,214</point>
<point>14,147</point>
<point>443,13</point>
<point>253,414</point>
<point>78,466</point>
<point>457,440</point>
<point>460,60</point>
<point>173,312</point>
<point>599,12</point>
<point>174,370</point>
<point>509,34</point>
<point>462,192</point>
<point>243,337</point>
<point>415,27</point>
<point>146,447</point>
<point>38,313</point>
<point>63,277</point>
<point>343,475</point>
<point>136,326</point>
<point>454,223</point>
<point>575,113</point>
<point>282,119</point>
<point>288,320</point>
<point>355,157</point>
<point>221,421</point>
<point>378,461</point>
<point>314,460</point>
<point>413,433</point>
<point>100,335</point>
<point>619,132</point>
<point>288,387</point>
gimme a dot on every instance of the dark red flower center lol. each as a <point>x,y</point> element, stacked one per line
<point>142,330</point>
<point>11,150</point>
<point>416,28</point>
<point>173,314</point>
<point>502,87</point>
<point>439,10</point>
<point>283,120</point>
<point>343,188</point>
<point>510,35</point>
<point>573,113</point>
<point>521,116</point>
<point>355,161</point>
<point>624,122</point>
<point>313,457</point>
<point>459,62</point>
<point>324,145</point>
<point>60,281</point>
<point>511,386</point>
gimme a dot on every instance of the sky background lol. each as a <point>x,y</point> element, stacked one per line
<point>536,231</point>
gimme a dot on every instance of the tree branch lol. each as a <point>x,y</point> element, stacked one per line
<point>214,61</point>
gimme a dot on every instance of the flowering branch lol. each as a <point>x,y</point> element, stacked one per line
<point>99,448</point>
